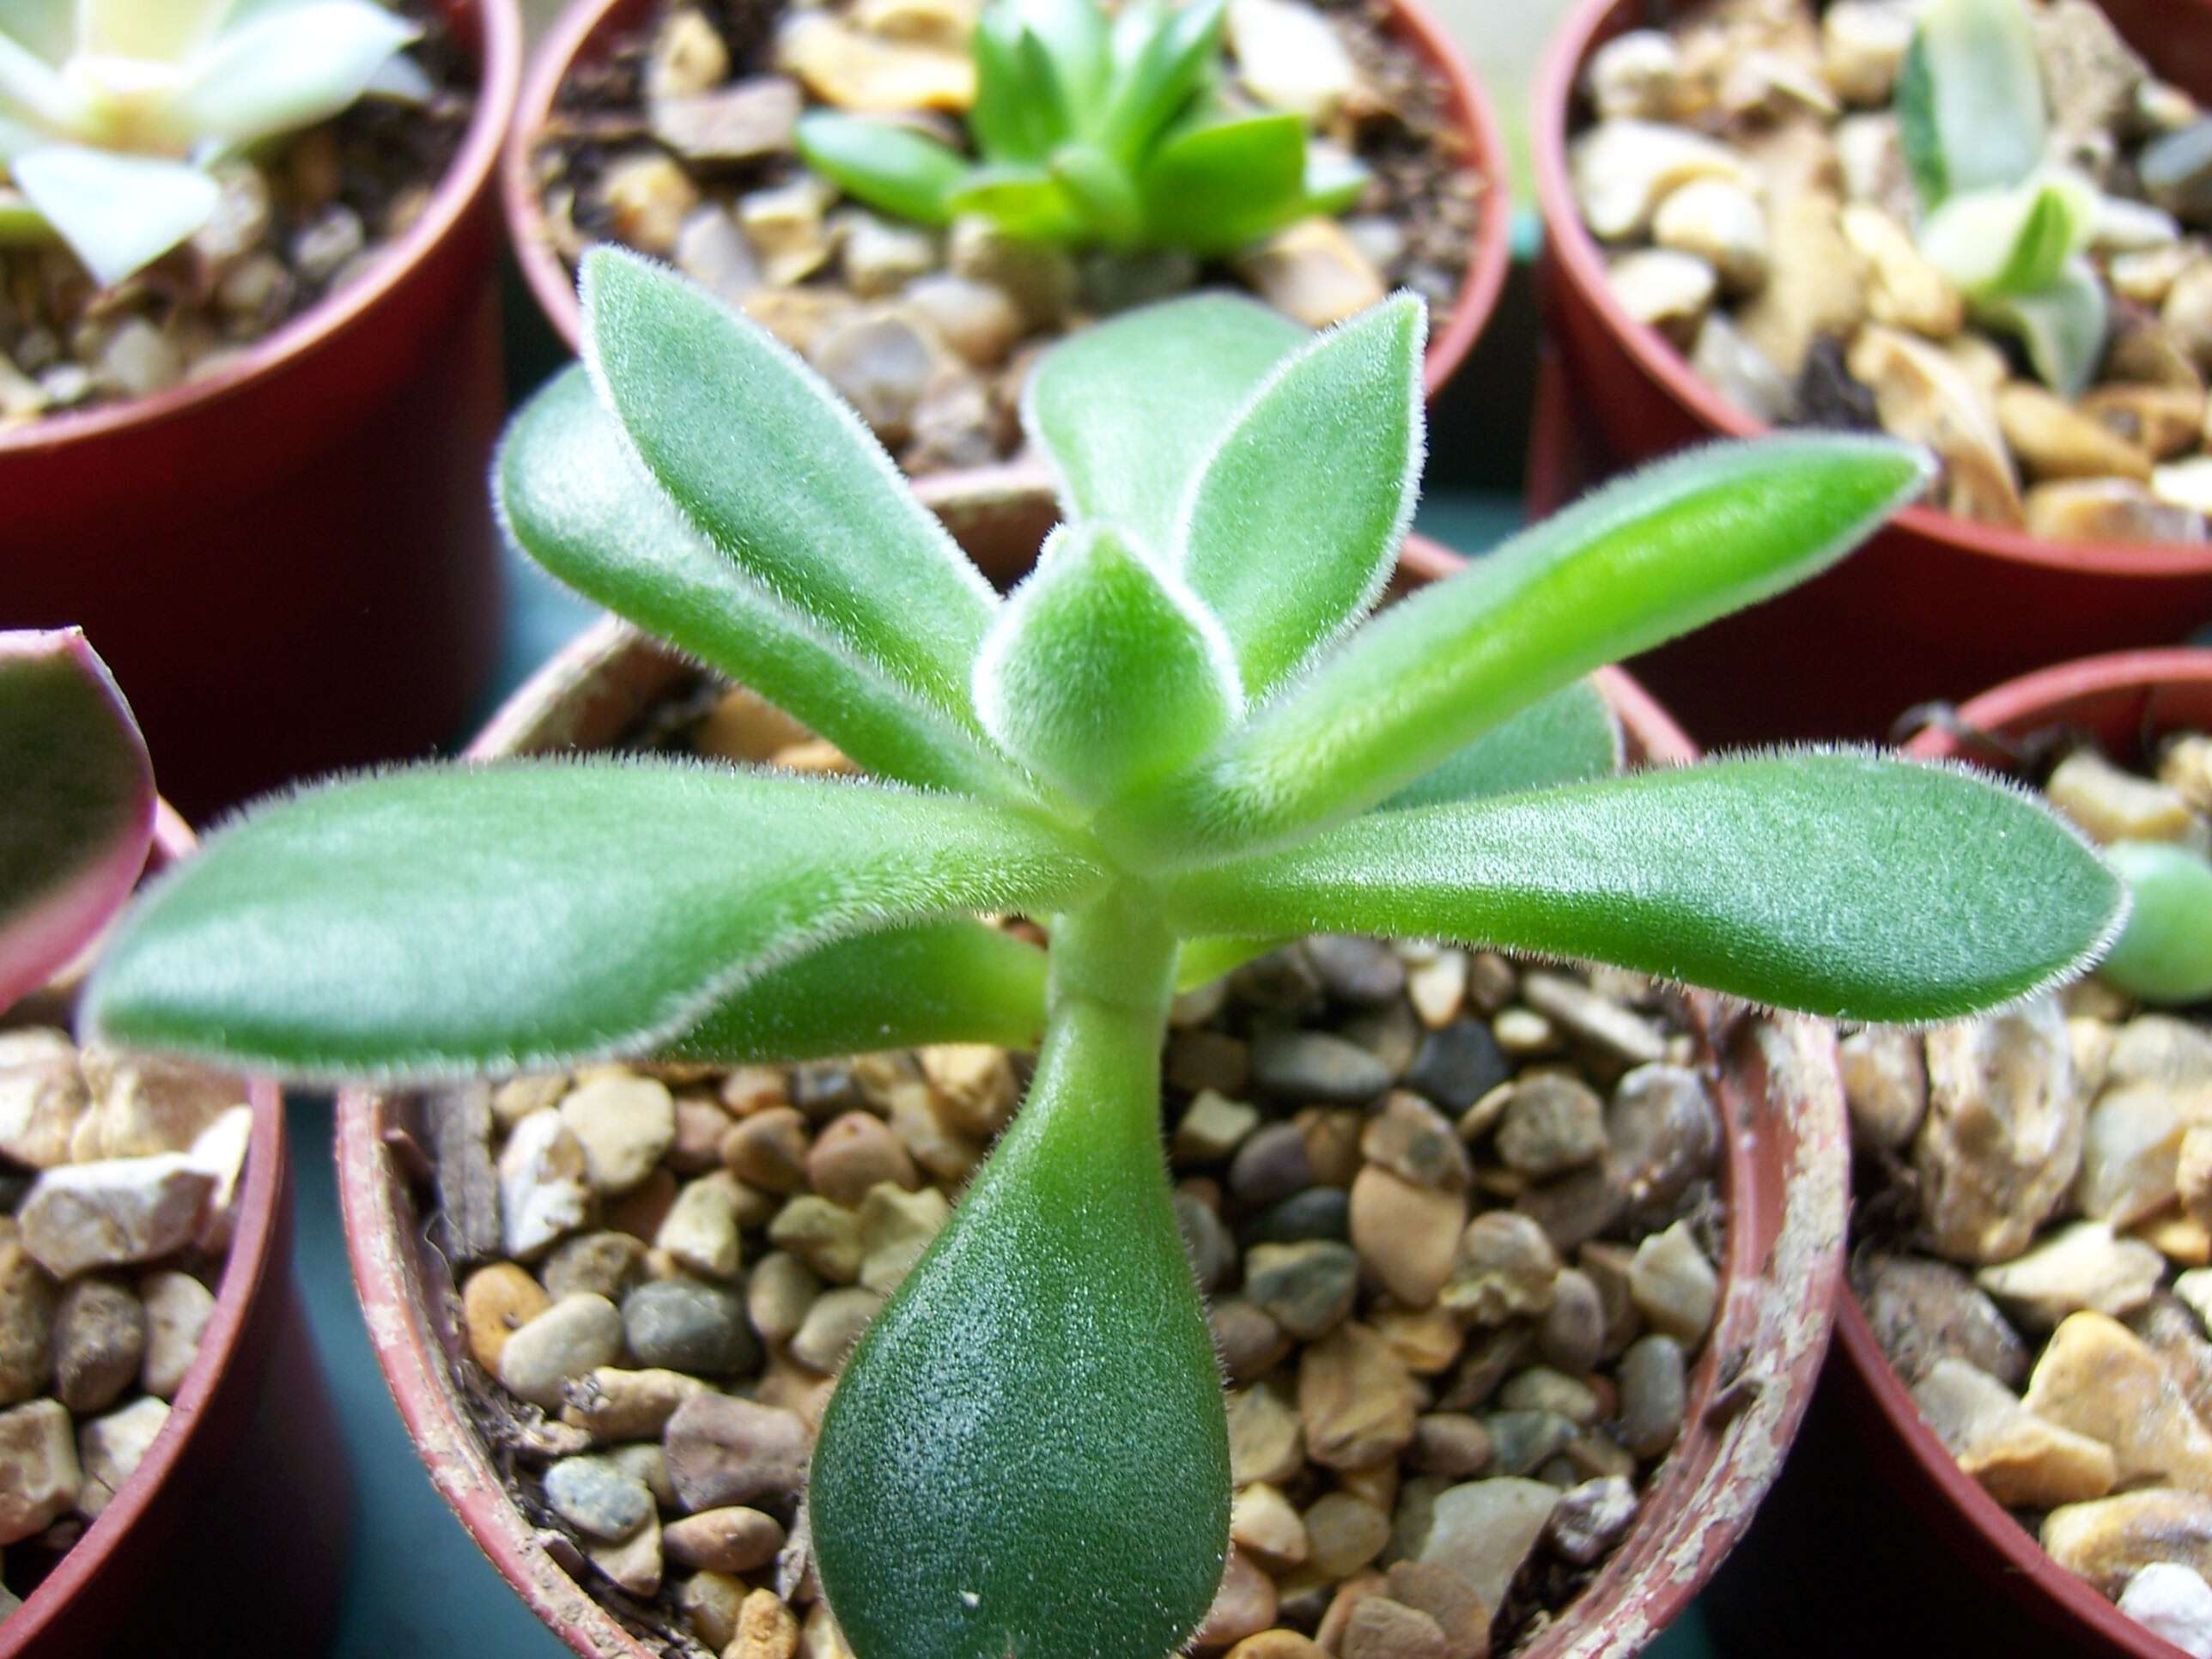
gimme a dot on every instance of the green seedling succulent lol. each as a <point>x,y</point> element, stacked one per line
<point>80,804</point>
<point>1175,742</point>
<point>1094,130</point>
<point>2000,219</point>
<point>112,112</point>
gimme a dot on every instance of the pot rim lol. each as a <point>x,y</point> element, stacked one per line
<point>1473,118</point>
<point>2031,698</point>
<point>248,1267</point>
<point>1781,1263</point>
<point>499,73</point>
<point>1577,262</point>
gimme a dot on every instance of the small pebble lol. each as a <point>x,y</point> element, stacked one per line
<point>597,1497</point>
<point>110,1449</point>
<point>625,1124</point>
<point>569,1338</point>
<point>178,1308</point>
<point>731,1539</point>
<point>1652,1377</point>
<point>99,1342</point>
<point>682,1325</point>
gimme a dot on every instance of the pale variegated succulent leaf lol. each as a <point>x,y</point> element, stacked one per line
<point>943,981</point>
<point>437,920</point>
<point>2014,240</point>
<point>769,462</point>
<point>1295,521</point>
<point>1630,567</point>
<point>1843,884</point>
<point>1104,672</point>
<point>33,92</point>
<point>80,803</point>
<point>46,28</point>
<point>117,213</point>
<point>575,497</point>
<point>2062,326</point>
<point>1127,411</point>
<point>162,31</point>
<point>284,70</point>
<point>1970,101</point>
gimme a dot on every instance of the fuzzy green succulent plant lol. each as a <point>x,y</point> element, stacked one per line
<point>1183,738</point>
<point>2004,221</point>
<point>1094,130</point>
<point>112,112</point>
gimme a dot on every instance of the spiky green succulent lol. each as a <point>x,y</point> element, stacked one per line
<point>1094,130</point>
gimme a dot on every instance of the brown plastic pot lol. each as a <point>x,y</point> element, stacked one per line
<point>1933,607</point>
<point>1873,1530</point>
<point>999,513</point>
<point>1784,1181</point>
<point>290,563</point>
<point>230,1537</point>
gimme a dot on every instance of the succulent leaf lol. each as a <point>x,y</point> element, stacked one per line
<point>1571,737</point>
<point>435,921</point>
<point>1628,567</point>
<point>2062,327</point>
<point>767,461</point>
<point>943,981</point>
<point>1127,411</point>
<point>1104,672</point>
<point>572,495</point>
<point>2165,954</point>
<point>1215,186</point>
<point>2011,241</point>
<point>117,213</point>
<point>884,164</point>
<point>80,804</point>
<point>34,93</point>
<point>1295,521</point>
<point>1024,201</point>
<point>1970,100</point>
<point>1840,885</point>
<point>1028,1452</point>
<point>169,30</point>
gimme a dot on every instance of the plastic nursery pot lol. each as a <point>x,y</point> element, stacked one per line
<point>231,1536</point>
<point>291,563</point>
<point>1929,1551</point>
<point>1000,513</point>
<point>1933,607</point>
<point>1784,1181</point>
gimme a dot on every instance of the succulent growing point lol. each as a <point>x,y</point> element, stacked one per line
<point>1176,741</point>
<point>80,804</point>
<point>1092,128</point>
<point>1999,219</point>
<point>112,112</point>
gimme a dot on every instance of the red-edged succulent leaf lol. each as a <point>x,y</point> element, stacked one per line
<point>79,790</point>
